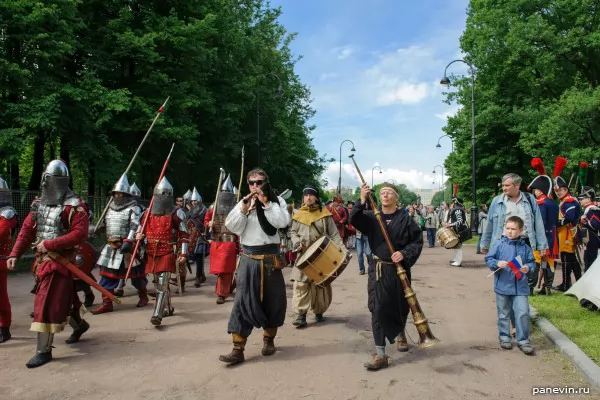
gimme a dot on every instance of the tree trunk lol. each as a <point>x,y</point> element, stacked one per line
<point>91,179</point>
<point>38,162</point>
<point>15,181</point>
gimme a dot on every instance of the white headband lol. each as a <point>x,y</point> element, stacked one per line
<point>390,189</point>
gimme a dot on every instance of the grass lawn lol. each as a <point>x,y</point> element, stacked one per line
<point>578,323</point>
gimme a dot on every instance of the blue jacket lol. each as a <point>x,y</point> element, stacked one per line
<point>494,229</point>
<point>505,280</point>
<point>549,211</point>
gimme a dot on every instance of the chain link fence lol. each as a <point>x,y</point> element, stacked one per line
<point>22,204</point>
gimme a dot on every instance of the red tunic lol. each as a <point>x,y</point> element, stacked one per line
<point>54,289</point>
<point>6,228</point>
<point>339,217</point>
<point>223,255</point>
<point>159,249</point>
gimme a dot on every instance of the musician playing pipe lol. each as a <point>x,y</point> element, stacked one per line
<point>310,223</point>
<point>387,304</point>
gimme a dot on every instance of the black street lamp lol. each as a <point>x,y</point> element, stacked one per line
<point>339,191</point>
<point>446,81</point>
<point>279,93</point>
<point>373,169</point>
<point>439,146</point>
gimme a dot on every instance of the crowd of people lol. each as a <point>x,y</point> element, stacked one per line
<point>250,239</point>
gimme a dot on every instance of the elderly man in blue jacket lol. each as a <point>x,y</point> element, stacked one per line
<point>513,202</point>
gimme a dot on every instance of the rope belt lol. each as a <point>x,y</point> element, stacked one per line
<point>277,264</point>
<point>380,262</point>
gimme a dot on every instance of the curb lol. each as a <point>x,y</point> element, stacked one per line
<point>589,369</point>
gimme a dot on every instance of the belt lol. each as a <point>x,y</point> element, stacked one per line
<point>226,238</point>
<point>277,264</point>
<point>378,266</point>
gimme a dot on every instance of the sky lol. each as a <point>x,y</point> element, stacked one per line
<point>373,69</point>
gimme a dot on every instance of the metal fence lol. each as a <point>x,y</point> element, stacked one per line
<point>22,204</point>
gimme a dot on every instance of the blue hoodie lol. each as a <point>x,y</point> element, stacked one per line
<point>505,280</point>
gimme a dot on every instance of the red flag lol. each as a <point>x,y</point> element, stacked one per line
<point>515,265</point>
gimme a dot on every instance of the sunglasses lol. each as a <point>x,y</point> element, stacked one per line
<point>257,182</point>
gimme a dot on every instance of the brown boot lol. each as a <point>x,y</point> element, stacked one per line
<point>401,343</point>
<point>237,354</point>
<point>377,363</point>
<point>143,294</point>
<point>106,306</point>
<point>220,299</point>
<point>269,342</point>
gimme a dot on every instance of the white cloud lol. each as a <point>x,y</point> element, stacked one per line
<point>452,111</point>
<point>404,93</point>
<point>343,52</point>
<point>412,178</point>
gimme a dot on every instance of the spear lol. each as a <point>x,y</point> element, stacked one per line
<point>147,214</point>
<point>241,177</point>
<point>160,110</point>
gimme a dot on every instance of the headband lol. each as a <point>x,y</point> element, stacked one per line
<point>309,190</point>
<point>390,189</point>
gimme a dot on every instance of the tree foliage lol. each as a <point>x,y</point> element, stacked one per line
<point>82,80</point>
<point>536,89</point>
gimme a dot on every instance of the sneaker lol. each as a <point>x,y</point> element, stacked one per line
<point>527,349</point>
<point>506,345</point>
<point>361,273</point>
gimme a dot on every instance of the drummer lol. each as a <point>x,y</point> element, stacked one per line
<point>311,222</point>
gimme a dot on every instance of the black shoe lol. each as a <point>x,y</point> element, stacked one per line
<point>300,321</point>
<point>88,299</point>
<point>319,318</point>
<point>4,334</point>
<point>156,321</point>
<point>39,359</point>
<point>76,335</point>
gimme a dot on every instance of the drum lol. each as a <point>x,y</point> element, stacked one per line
<point>323,261</point>
<point>447,237</point>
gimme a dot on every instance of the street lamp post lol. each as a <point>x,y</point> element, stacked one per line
<point>339,191</point>
<point>373,169</point>
<point>446,81</point>
<point>279,92</point>
<point>433,172</point>
<point>439,146</point>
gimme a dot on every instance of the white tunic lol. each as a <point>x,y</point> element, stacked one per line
<point>248,228</point>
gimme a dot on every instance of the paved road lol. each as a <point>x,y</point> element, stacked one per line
<point>124,357</point>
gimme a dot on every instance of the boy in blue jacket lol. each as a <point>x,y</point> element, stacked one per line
<point>512,291</point>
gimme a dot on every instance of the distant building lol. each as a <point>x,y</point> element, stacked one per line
<point>426,195</point>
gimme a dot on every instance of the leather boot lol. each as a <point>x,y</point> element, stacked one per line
<point>402,343</point>
<point>377,363</point>
<point>39,359</point>
<point>143,295</point>
<point>77,332</point>
<point>88,297</point>
<point>269,342</point>
<point>237,354</point>
<point>4,334</point>
<point>43,352</point>
<point>300,321</point>
<point>107,305</point>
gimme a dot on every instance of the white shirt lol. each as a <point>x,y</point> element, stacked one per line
<point>516,209</point>
<point>248,228</point>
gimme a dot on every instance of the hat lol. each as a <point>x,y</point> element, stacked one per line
<point>457,200</point>
<point>587,192</point>
<point>338,198</point>
<point>310,189</point>
<point>541,182</point>
<point>559,166</point>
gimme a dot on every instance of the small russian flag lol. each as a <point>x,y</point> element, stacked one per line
<point>515,265</point>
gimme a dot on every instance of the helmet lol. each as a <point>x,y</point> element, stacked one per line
<point>163,197</point>
<point>195,196</point>
<point>227,186</point>
<point>55,183</point>
<point>122,185</point>
<point>5,197</point>
<point>134,190</point>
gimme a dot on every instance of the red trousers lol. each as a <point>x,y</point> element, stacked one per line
<point>5,313</point>
<point>223,287</point>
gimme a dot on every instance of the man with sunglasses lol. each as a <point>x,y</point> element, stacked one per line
<point>261,297</point>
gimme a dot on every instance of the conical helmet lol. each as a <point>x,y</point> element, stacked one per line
<point>55,183</point>
<point>227,186</point>
<point>235,191</point>
<point>196,196</point>
<point>163,197</point>
<point>134,190</point>
<point>5,197</point>
<point>187,195</point>
<point>122,185</point>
